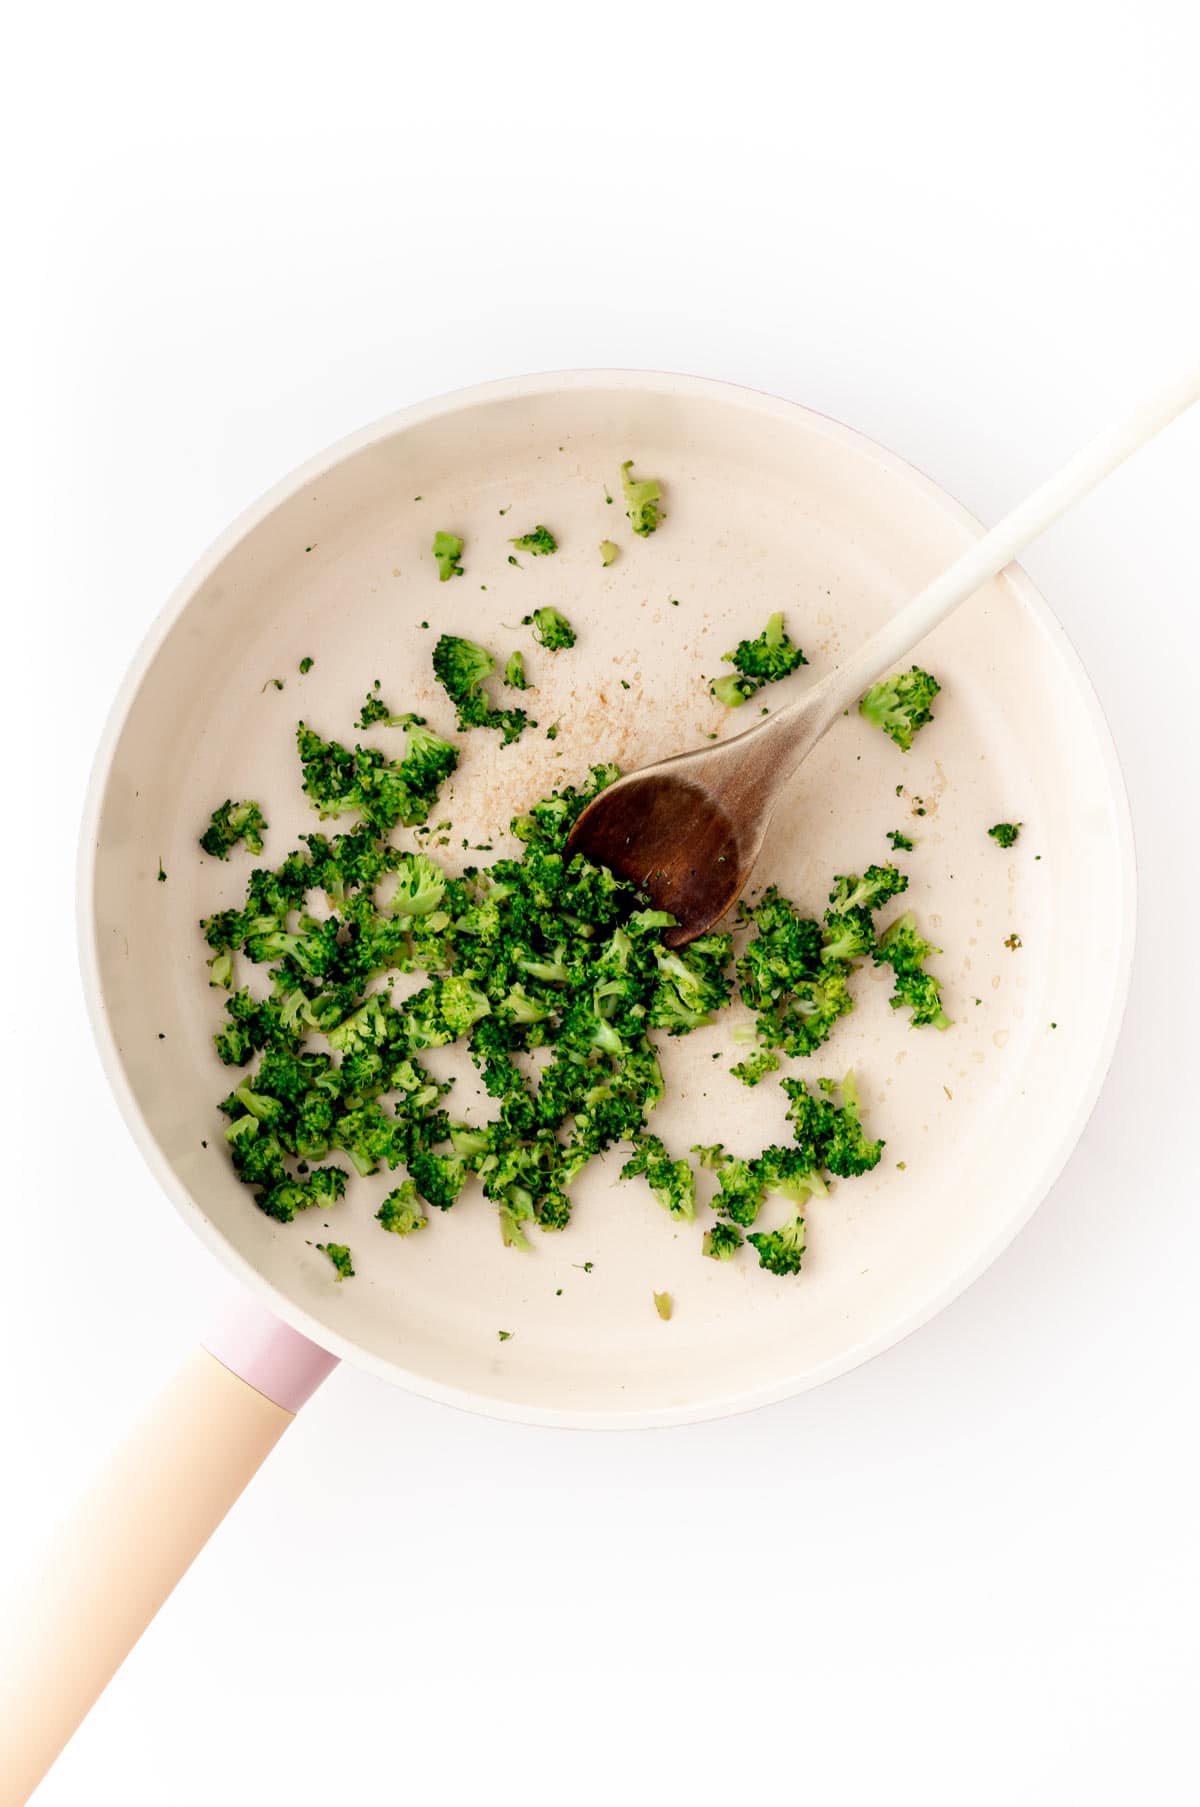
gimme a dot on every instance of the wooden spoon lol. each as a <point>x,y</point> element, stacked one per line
<point>689,829</point>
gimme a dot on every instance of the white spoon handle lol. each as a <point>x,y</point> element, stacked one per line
<point>998,547</point>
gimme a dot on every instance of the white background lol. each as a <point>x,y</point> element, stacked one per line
<point>966,1572</point>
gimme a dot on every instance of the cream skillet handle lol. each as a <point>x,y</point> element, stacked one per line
<point>136,1532</point>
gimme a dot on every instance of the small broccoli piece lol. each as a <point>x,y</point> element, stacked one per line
<point>401,1211</point>
<point>712,1154</point>
<point>460,666</point>
<point>439,1178</point>
<point>550,629</point>
<point>281,1197</point>
<point>732,690</point>
<point>900,704</point>
<point>900,842</point>
<point>904,950</point>
<point>877,886</point>
<point>672,1182</point>
<point>755,1066</point>
<point>1005,833</point>
<point>339,1254</point>
<point>664,1305</point>
<point>539,542</point>
<point>758,662</point>
<point>514,672</point>
<point>780,1251</point>
<point>743,1189</point>
<point>420,886</point>
<point>383,791</point>
<point>305,667</point>
<point>831,1134</point>
<point>642,498</point>
<point>231,823</point>
<point>608,551</point>
<point>722,1242</point>
<point>447,550</point>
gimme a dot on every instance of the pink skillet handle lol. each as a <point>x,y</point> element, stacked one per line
<point>138,1530</point>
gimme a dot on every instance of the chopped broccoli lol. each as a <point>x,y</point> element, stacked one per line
<point>306,666</point>
<point>723,1241</point>
<point>904,950</point>
<point>550,629</point>
<point>231,823</point>
<point>900,704</point>
<point>460,667</point>
<point>447,550</point>
<point>642,498</point>
<point>382,791</point>
<point>758,662</point>
<point>339,1254</point>
<point>671,1182</point>
<point>401,1211</point>
<point>755,1066</point>
<point>1005,833</point>
<point>608,551</point>
<point>542,952</point>
<point>664,1305</point>
<point>780,1251</point>
<point>514,672</point>
<point>539,542</point>
<point>900,842</point>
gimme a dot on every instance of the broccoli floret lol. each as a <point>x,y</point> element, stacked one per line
<point>732,690</point>
<point>447,550</point>
<point>439,1178</point>
<point>401,1211</point>
<point>608,551</point>
<point>712,1154</point>
<point>900,704</point>
<point>1005,833</point>
<point>755,1066</point>
<point>282,1199</point>
<point>904,950</point>
<point>642,498</point>
<point>231,823</point>
<point>305,667</point>
<point>514,672</point>
<point>900,842</point>
<point>384,792</point>
<point>831,1134</point>
<point>877,886</point>
<point>539,542</point>
<point>339,1254</point>
<point>780,1251</point>
<point>550,629</point>
<point>460,667</point>
<point>757,662</point>
<point>420,886</point>
<point>672,1182</point>
<point>722,1241</point>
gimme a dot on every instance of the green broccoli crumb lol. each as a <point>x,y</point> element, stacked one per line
<point>664,1305</point>
<point>305,666</point>
<point>900,704</point>
<point>766,660</point>
<point>608,549</point>
<point>232,822</point>
<point>642,498</point>
<point>901,843</point>
<point>539,542</point>
<point>339,1254</point>
<point>447,550</point>
<point>514,672</point>
<point>1005,833</point>
<point>550,629</point>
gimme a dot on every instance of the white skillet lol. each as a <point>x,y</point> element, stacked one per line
<point>768,506</point>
